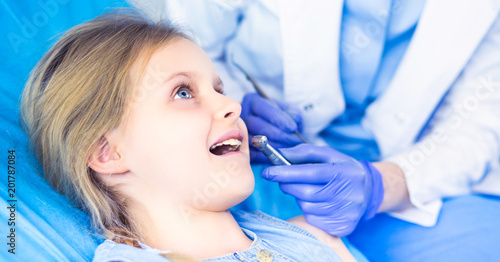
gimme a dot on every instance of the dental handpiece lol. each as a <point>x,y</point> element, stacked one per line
<point>272,154</point>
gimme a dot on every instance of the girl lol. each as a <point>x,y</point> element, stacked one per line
<point>128,119</point>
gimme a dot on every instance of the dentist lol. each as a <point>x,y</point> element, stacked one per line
<point>400,101</point>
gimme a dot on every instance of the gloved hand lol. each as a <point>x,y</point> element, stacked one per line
<point>278,123</point>
<point>333,190</point>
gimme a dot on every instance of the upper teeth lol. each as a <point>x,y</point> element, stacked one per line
<point>231,141</point>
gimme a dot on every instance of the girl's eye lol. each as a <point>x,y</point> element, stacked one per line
<point>183,93</point>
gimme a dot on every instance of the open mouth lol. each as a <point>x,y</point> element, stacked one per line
<point>226,146</point>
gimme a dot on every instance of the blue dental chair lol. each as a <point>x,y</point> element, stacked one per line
<point>43,225</point>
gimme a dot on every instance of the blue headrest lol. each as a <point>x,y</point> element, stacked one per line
<point>40,223</point>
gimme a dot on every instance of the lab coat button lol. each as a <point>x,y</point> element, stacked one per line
<point>264,255</point>
<point>308,107</point>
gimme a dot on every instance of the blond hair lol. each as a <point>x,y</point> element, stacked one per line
<point>78,92</point>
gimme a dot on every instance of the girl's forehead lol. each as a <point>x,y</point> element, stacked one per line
<point>178,55</point>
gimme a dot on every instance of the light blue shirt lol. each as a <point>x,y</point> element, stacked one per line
<point>271,237</point>
<point>374,38</point>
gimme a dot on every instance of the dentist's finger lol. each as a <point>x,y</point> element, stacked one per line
<point>292,111</point>
<point>307,153</point>
<point>259,126</point>
<point>302,173</point>
<point>304,192</point>
<point>340,226</point>
<point>273,114</point>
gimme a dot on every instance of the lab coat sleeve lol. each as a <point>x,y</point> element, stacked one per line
<point>459,150</point>
<point>211,24</point>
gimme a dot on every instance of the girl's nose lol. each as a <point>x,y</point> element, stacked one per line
<point>226,108</point>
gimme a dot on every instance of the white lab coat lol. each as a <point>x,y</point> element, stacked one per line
<point>453,61</point>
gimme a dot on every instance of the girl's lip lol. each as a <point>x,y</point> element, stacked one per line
<point>231,153</point>
<point>234,133</point>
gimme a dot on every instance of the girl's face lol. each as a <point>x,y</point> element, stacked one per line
<point>183,141</point>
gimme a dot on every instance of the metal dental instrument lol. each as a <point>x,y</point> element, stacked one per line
<point>272,154</point>
<point>261,93</point>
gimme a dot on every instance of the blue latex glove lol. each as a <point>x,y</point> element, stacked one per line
<point>278,123</point>
<point>333,190</point>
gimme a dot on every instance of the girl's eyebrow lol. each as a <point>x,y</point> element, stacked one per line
<point>174,75</point>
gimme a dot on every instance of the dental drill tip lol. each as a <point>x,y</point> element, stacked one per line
<point>259,141</point>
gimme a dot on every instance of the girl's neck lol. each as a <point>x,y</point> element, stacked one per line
<point>200,234</point>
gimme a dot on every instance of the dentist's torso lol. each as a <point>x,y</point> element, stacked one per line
<point>296,59</point>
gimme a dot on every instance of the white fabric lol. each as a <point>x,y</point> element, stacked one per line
<point>453,58</point>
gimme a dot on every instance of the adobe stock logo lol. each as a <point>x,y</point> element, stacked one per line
<point>31,24</point>
<point>361,36</point>
<point>483,93</point>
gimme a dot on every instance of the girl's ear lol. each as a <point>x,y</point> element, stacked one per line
<point>105,159</point>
